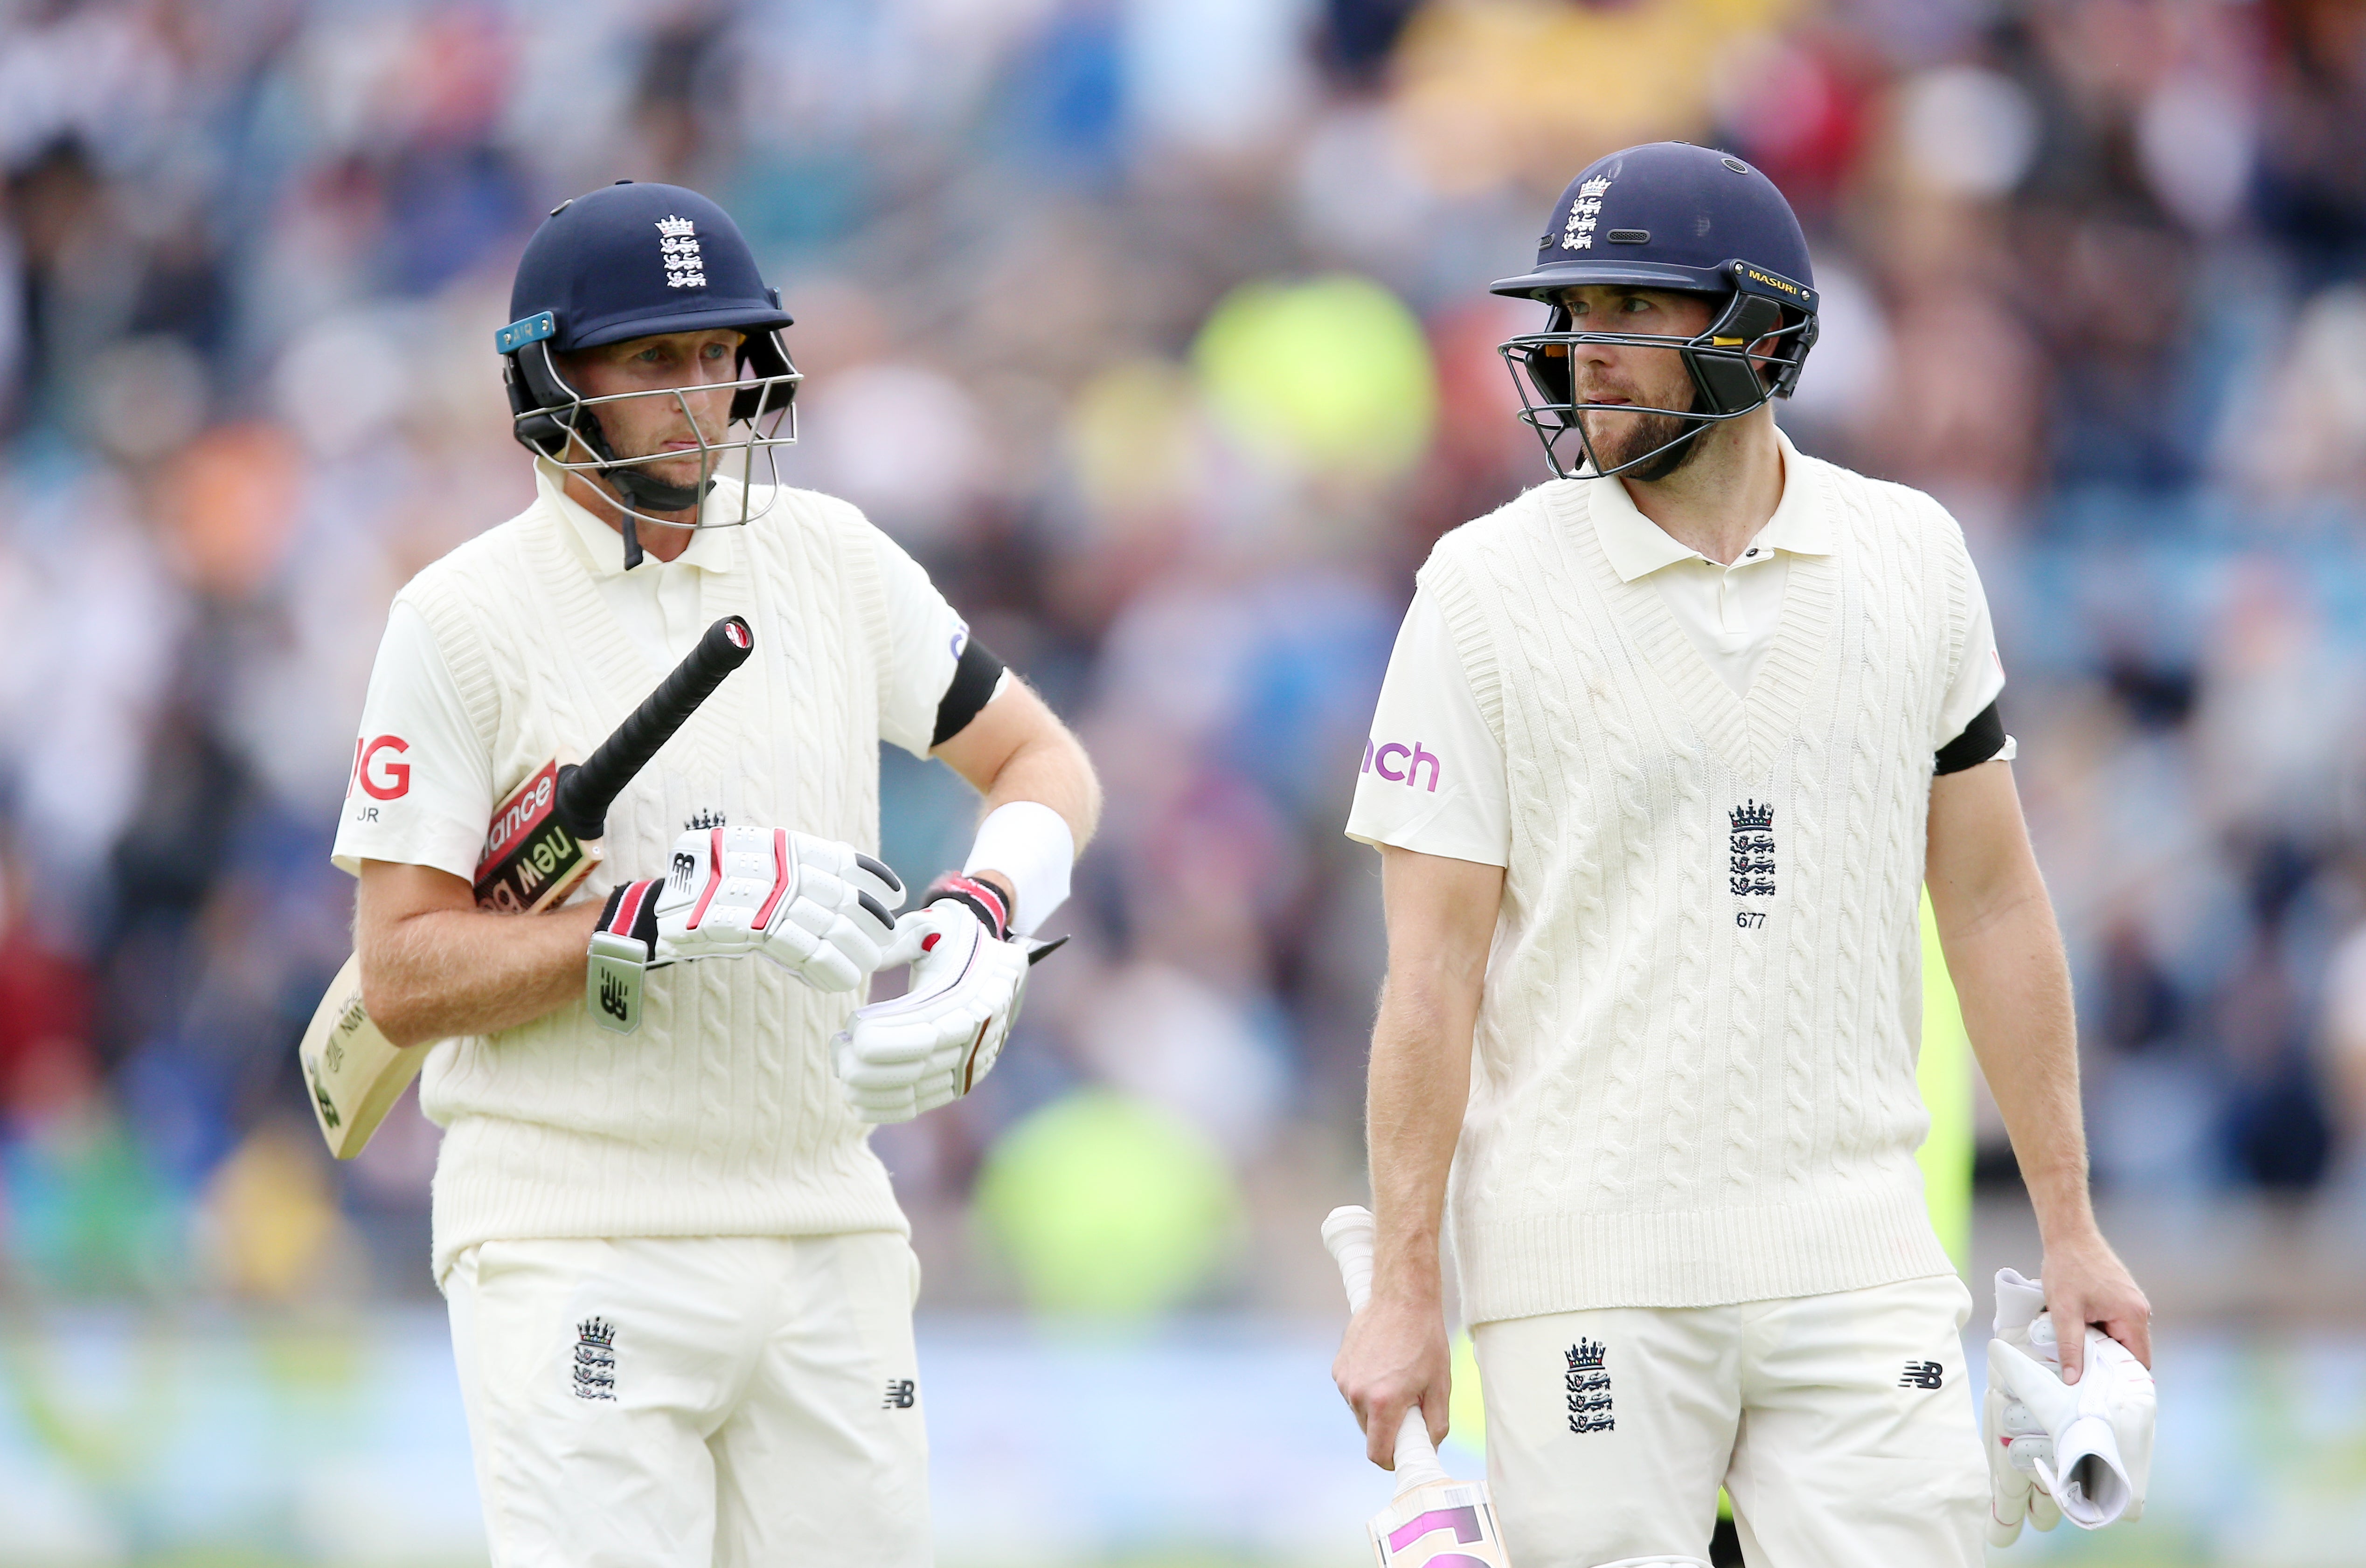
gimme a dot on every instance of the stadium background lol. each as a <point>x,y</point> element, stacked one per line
<point>1156,328</point>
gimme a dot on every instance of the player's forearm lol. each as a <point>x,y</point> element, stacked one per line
<point>444,972</point>
<point>2014,985</point>
<point>1051,769</point>
<point>1420,1082</point>
<point>1017,749</point>
<point>1441,917</point>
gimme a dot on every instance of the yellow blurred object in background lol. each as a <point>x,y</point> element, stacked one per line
<point>269,1227</point>
<point>1130,440</point>
<point>1333,376</point>
<point>1107,1206</point>
<point>1945,1074</point>
<point>1496,90</point>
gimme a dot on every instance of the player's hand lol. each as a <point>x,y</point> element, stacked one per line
<point>1394,1357</point>
<point>931,1045</point>
<point>2086,1283</point>
<point>821,910</point>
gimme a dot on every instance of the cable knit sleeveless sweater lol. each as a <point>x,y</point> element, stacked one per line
<point>1693,1079</point>
<point>720,1115</point>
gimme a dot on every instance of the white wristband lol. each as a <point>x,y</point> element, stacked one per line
<point>1030,843</point>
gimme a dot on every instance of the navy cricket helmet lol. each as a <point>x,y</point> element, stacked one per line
<point>1668,215</point>
<point>636,261</point>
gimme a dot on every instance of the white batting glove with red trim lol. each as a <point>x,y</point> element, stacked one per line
<point>933,1044</point>
<point>821,910</point>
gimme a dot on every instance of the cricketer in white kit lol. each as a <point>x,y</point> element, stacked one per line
<point>1666,750</point>
<point>680,1286</point>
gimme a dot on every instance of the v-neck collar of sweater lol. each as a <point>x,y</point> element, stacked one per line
<point>569,565</point>
<point>1748,729</point>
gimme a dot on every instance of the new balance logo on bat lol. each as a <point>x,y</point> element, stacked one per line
<point>320,1095</point>
<point>1922,1374</point>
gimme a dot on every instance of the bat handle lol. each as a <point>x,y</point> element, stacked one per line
<point>1348,1233</point>
<point>585,793</point>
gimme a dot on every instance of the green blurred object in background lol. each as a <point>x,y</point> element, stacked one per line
<point>1108,1207</point>
<point>1945,1073</point>
<point>1333,375</point>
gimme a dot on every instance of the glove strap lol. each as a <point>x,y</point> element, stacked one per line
<point>619,957</point>
<point>984,901</point>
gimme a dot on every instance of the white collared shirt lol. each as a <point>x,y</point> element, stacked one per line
<point>427,776</point>
<point>656,601</point>
<point>1432,779</point>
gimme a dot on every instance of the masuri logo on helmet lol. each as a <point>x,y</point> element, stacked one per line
<point>614,265</point>
<point>1686,218</point>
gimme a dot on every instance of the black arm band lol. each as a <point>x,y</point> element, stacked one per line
<point>1981,739</point>
<point>971,689</point>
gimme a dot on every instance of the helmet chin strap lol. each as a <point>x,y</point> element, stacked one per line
<point>642,490</point>
<point>649,493</point>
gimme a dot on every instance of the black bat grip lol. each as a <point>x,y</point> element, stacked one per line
<point>586,793</point>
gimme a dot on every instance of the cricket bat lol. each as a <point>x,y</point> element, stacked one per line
<point>542,841</point>
<point>1435,1522</point>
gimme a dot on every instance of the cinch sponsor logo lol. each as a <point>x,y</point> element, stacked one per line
<point>1400,764</point>
<point>381,780</point>
<point>532,805</point>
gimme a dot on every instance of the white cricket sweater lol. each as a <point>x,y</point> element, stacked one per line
<point>1692,1076</point>
<point>720,1115</point>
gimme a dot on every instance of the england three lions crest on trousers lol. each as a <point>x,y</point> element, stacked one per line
<point>1587,1383</point>
<point>595,1358</point>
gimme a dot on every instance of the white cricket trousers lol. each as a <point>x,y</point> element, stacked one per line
<point>1842,1425</point>
<point>682,1402</point>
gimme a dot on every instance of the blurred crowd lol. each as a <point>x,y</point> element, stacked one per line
<point>1159,331</point>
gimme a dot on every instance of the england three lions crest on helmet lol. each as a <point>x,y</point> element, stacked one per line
<point>678,245</point>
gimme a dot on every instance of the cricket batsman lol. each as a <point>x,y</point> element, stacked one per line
<point>1667,748</point>
<point>680,1286</point>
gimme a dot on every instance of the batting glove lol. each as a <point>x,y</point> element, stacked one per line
<point>2058,1450</point>
<point>2015,1436</point>
<point>819,909</point>
<point>933,1044</point>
